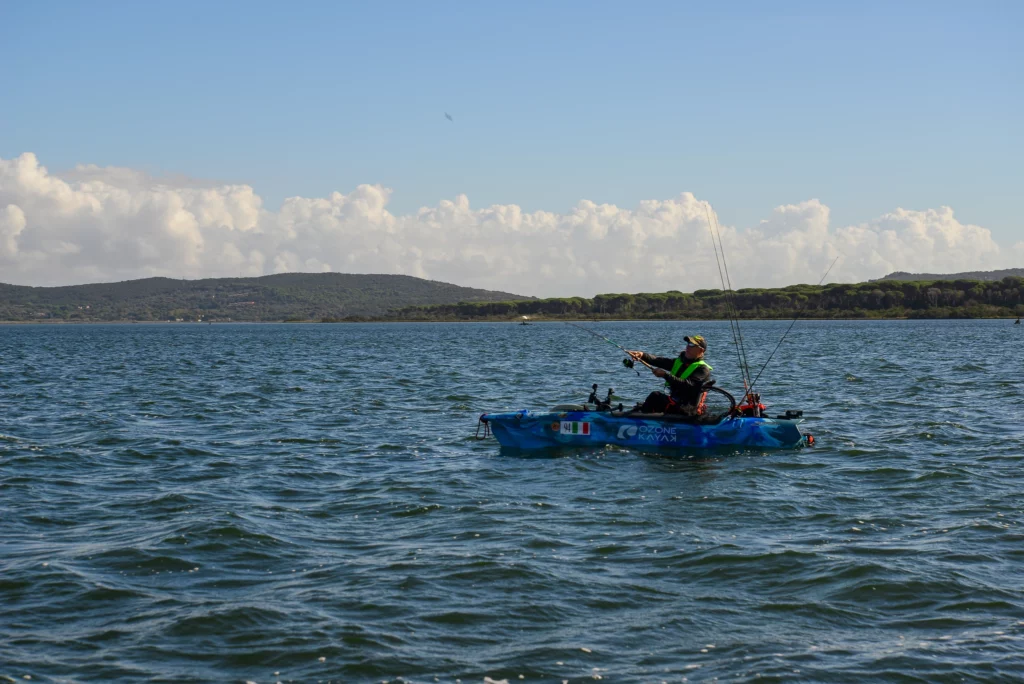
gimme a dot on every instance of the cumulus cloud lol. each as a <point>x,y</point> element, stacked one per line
<point>101,224</point>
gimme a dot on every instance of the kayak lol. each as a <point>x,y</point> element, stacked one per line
<point>527,429</point>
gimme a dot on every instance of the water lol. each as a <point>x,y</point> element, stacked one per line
<point>306,503</point>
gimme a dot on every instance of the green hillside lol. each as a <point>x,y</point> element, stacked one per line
<point>967,275</point>
<point>880,299</point>
<point>286,296</point>
<point>337,296</point>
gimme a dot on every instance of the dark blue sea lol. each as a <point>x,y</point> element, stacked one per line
<point>307,503</point>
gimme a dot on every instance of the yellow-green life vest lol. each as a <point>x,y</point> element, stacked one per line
<point>694,365</point>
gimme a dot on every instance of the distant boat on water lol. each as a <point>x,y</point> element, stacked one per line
<point>525,321</point>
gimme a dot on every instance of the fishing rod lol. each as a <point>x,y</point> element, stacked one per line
<point>734,322</point>
<point>625,362</point>
<point>783,338</point>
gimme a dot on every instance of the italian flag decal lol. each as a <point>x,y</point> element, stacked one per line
<point>575,427</point>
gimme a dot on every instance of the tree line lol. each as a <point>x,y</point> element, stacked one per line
<point>336,297</point>
<point>879,299</point>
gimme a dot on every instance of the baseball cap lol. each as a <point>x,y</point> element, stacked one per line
<point>697,340</point>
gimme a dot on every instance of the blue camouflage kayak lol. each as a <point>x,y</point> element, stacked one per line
<point>527,429</point>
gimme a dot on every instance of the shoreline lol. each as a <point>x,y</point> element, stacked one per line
<point>506,322</point>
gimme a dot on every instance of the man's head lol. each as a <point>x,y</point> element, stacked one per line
<point>696,345</point>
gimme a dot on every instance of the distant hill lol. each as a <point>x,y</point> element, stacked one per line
<point>969,275</point>
<point>285,296</point>
<point>881,299</point>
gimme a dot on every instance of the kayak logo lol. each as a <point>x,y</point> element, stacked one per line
<point>648,433</point>
<point>657,434</point>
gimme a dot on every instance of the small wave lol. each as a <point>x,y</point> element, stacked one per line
<point>418,511</point>
<point>459,617</point>
<point>133,559</point>
<point>939,475</point>
<point>104,594</point>
<point>226,621</point>
<point>489,571</point>
<point>234,532</point>
<point>47,521</point>
<point>916,594</point>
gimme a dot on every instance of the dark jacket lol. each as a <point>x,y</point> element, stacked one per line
<point>683,391</point>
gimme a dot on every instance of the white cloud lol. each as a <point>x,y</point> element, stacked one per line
<point>12,222</point>
<point>101,224</point>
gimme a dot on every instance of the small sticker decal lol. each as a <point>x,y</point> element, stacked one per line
<point>575,427</point>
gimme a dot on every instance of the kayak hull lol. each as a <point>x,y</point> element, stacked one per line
<point>527,429</point>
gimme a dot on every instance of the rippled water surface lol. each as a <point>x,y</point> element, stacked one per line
<point>307,503</point>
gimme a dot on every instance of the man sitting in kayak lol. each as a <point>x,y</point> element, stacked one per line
<point>684,376</point>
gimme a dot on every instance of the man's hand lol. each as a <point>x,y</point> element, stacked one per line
<point>660,372</point>
<point>636,354</point>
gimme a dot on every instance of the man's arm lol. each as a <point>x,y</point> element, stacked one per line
<point>658,361</point>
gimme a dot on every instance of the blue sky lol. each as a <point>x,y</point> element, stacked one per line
<point>867,106</point>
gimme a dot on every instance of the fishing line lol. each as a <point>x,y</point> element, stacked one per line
<point>783,339</point>
<point>728,280</point>
<point>614,344</point>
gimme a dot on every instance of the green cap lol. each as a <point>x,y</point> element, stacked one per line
<point>697,340</point>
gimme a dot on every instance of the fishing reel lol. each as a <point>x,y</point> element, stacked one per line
<point>628,362</point>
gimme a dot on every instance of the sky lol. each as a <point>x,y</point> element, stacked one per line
<point>207,139</point>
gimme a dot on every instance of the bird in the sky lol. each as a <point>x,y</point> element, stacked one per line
<point>449,117</point>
